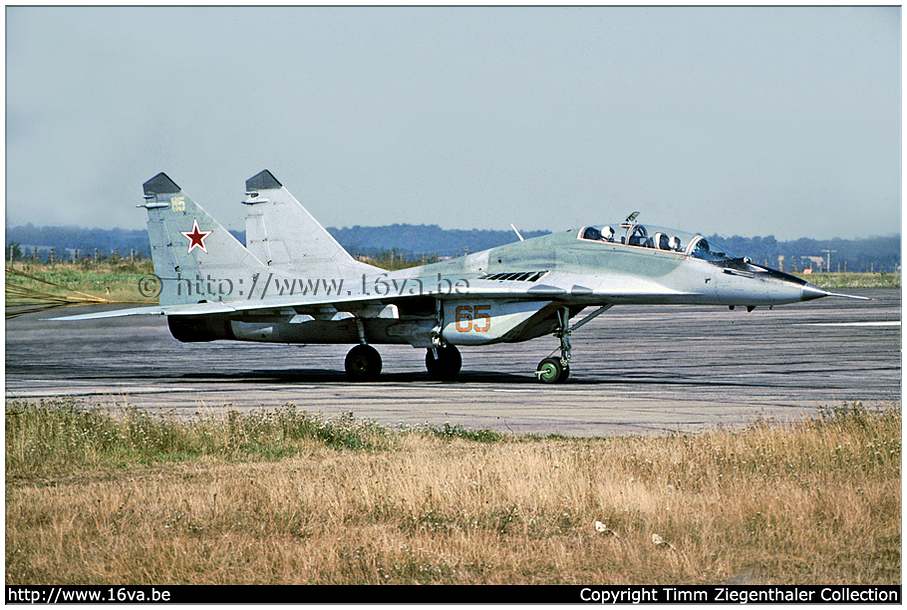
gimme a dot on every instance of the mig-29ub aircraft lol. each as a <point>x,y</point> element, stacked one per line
<point>293,283</point>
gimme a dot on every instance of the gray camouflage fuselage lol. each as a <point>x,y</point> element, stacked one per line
<point>293,283</point>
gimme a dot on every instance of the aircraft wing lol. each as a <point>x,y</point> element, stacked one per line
<point>390,291</point>
<point>303,302</point>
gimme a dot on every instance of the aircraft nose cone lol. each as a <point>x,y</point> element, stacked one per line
<point>810,292</point>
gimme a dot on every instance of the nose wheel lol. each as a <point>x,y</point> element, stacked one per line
<point>551,370</point>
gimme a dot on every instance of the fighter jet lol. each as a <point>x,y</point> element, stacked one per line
<point>293,283</point>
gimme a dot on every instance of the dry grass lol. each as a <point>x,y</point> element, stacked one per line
<point>285,497</point>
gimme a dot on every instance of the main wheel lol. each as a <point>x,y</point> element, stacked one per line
<point>446,366</point>
<point>550,370</point>
<point>363,363</point>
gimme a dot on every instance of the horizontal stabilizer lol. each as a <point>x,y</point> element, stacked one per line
<point>193,309</point>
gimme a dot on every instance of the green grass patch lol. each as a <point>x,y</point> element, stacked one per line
<point>112,280</point>
<point>56,436</point>
<point>448,432</point>
<point>852,280</point>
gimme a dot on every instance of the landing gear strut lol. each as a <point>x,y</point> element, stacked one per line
<point>443,363</point>
<point>442,360</point>
<point>556,370</point>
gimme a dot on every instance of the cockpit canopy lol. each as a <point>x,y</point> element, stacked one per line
<point>659,238</point>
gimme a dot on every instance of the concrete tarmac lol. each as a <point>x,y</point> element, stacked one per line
<point>635,370</point>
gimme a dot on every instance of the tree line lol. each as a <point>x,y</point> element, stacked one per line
<point>411,244</point>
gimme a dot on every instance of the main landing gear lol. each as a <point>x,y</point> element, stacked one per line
<point>442,360</point>
<point>363,363</point>
<point>443,363</point>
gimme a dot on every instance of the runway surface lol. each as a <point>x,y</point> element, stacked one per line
<point>635,370</point>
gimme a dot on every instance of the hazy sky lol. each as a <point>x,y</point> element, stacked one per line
<point>730,120</point>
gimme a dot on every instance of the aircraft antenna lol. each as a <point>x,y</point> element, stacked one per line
<point>517,232</point>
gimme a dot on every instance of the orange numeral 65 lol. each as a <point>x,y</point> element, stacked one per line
<point>468,314</point>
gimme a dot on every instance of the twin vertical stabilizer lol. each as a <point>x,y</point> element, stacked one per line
<point>189,246</point>
<point>191,249</point>
<point>283,235</point>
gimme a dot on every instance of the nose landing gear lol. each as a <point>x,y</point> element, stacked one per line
<point>556,370</point>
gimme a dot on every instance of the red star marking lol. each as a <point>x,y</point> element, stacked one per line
<point>196,238</point>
